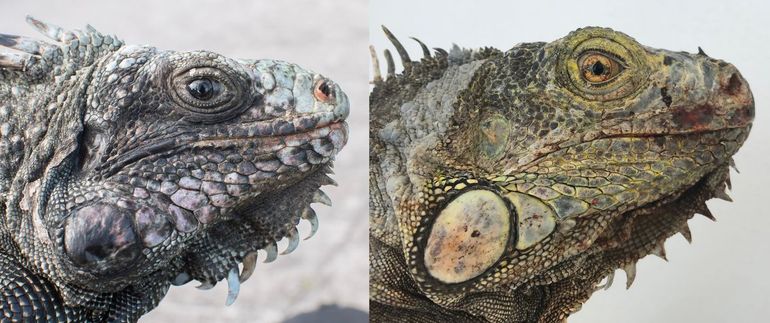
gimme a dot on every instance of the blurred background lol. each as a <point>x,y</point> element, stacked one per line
<point>723,275</point>
<point>326,278</point>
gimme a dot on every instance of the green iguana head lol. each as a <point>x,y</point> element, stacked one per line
<point>515,181</point>
<point>160,167</point>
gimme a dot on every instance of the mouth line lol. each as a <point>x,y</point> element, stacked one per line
<point>189,140</point>
<point>281,126</point>
<point>315,133</point>
<point>543,157</point>
<point>665,134</point>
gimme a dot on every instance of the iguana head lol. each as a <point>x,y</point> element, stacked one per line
<point>174,165</point>
<point>553,164</point>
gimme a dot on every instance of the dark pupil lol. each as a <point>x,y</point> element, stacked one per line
<point>202,89</point>
<point>597,68</point>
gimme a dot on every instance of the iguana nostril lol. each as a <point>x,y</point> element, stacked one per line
<point>101,236</point>
<point>324,90</point>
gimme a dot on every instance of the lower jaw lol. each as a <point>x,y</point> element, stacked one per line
<point>638,232</point>
<point>258,226</point>
<point>643,231</point>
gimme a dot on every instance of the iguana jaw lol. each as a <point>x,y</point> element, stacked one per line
<point>256,225</point>
<point>630,236</point>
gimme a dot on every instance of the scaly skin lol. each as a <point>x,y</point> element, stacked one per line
<point>505,186</point>
<point>125,169</point>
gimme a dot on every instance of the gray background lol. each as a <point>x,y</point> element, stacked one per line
<point>723,275</point>
<point>328,37</point>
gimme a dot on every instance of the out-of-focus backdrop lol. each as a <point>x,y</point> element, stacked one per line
<point>723,275</point>
<point>326,278</point>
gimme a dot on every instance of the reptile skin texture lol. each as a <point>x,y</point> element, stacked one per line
<point>508,186</point>
<point>127,169</point>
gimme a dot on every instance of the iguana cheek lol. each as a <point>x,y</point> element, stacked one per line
<point>468,236</point>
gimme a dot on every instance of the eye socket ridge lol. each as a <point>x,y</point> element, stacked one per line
<point>598,67</point>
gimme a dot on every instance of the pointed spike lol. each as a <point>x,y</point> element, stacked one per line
<point>19,43</point>
<point>722,195</point>
<point>91,29</point>
<point>610,280</point>
<point>293,241</point>
<point>233,286</point>
<point>704,210</point>
<point>607,284</point>
<point>51,31</point>
<point>181,279</point>
<point>309,214</point>
<point>272,252</point>
<point>399,48</point>
<point>441,51</point>
<point>425,50</point>
<point>375,65</point>
<point>732,164</point>
<point>326,180</point>
<point>701,52</point>
<point>685,231</point>
<point>630,270</point>
<point>206,286</point>
<point>13,61</point>
<point>391,66</point>
<point>660,251</point>
<point>320,197</point>
<point>249,263</point>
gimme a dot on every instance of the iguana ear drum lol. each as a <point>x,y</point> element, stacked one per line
<point>469,236</point>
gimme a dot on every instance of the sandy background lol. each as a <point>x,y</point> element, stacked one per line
<point>723,275</point>
<point>329,37</point>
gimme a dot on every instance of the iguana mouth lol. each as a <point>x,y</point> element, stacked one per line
<point>322,141</point>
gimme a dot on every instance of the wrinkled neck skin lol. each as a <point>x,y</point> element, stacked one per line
<point>507,193</point>
<point>46,120</point>
<point>38,115</point>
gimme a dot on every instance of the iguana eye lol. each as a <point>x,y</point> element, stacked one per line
<point>597,68</point>
<point>601,67</point>
<point>204,89</point>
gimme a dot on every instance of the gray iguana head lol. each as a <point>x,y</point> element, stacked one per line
<point>134,167</point>
<point>512,182</point>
